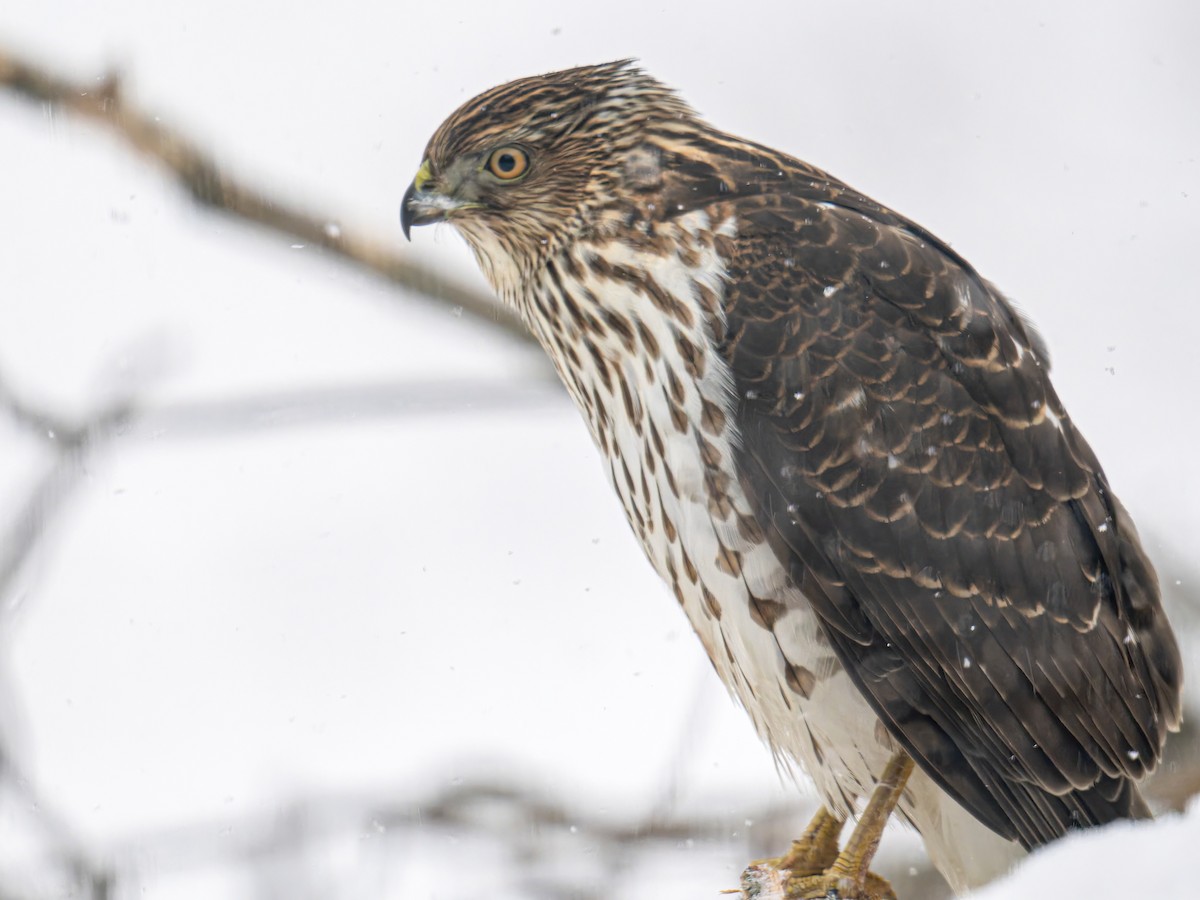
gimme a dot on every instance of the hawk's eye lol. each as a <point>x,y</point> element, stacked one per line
<point>508,163</point>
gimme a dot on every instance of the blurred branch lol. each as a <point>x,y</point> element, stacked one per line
<point>71,443</point>
<point>102,100</point>
<point>79,873</point>
<point>547,849</point>
<point>346,403</point>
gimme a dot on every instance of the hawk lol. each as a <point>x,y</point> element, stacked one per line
<point>840,447</point>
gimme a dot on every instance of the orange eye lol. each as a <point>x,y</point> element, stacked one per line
<point>508,163</point>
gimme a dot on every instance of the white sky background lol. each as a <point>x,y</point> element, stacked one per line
<point>224,619</point>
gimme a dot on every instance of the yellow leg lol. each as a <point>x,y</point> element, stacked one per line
<point>850,878</point>
<point>813,869</point>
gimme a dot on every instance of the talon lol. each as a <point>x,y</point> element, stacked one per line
<point>813,869</point>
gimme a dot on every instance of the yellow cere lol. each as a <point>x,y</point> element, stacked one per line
<point>423,175</point>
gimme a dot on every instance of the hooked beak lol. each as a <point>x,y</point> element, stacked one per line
<point>421,206</point>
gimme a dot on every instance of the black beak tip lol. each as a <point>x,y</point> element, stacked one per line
<point>406,215</point>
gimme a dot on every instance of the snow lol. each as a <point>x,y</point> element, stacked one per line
<point>355,547</point>
<point>1146,861</point>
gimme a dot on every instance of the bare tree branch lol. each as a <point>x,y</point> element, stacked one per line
<point>71,444</point>
<point>544,841</point>
<point>344,403</point>
<point>102,101</point>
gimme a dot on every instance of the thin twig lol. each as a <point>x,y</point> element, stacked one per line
<point>102,100</point>
<point>333,405</point>
<point>71,444</point>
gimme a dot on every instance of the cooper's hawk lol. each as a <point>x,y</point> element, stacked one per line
<point>840,447</point>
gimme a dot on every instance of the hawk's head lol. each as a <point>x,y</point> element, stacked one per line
<point>530,164</point>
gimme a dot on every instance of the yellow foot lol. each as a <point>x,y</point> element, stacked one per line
<point>814,869</point>
<point>817,848</point>
<point>829,886</point>
<point>762,881</point>
<point>814,852</point>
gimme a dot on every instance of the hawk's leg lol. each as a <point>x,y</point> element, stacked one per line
<point>849,877</point>
<point>814,868</point>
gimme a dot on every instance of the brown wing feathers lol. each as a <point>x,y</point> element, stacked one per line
<point>978,579</point>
